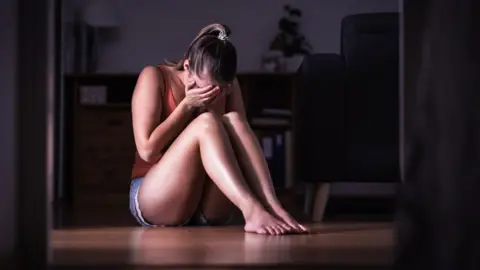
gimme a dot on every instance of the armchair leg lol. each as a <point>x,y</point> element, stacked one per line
<point>322,191</point>
<point>309,198</point>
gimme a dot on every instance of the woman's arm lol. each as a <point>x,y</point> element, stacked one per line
<point>151,135</point>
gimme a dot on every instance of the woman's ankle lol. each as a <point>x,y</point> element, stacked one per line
<point>250,208</point>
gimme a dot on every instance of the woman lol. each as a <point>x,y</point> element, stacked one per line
<point>196,154</point>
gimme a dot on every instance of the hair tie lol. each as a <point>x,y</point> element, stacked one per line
<point>222,36</point>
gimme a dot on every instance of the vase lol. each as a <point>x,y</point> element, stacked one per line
<point>292,63</point>
<point>271,61</point>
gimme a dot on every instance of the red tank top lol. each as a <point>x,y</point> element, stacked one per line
<point>140,166</point>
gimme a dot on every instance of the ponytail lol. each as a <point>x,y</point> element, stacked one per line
<point>215,32</point>
<point>221,31</point>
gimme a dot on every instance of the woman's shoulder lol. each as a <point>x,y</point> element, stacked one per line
<point>150,81</point>
<point>152,73</point>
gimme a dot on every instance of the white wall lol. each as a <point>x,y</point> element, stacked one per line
<point>8,30</point>
<point>152,30</point>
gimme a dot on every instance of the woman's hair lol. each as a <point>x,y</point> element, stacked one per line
<point>212,52</point>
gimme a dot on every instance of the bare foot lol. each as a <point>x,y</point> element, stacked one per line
<point>284,216</point>
<point>261,222</point>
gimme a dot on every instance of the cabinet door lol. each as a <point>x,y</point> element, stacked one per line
<point>104,151</point>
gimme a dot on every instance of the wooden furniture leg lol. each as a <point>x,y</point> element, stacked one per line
<point>320,201</point>
<point>316,198</point>
<point>309,196</point>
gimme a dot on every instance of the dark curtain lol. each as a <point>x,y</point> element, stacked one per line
<point>439,205</point>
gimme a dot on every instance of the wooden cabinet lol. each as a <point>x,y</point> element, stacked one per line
<point>100,145</point>
<point>103,153</point>
<point>268,91</point>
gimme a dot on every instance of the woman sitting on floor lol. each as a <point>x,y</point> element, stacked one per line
<point>196,154</point>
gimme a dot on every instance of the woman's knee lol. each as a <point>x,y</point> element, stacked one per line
<point>233,116</point>
<point>207,121</point>
<point>234,119</point>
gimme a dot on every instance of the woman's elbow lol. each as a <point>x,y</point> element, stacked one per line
<point>146,154</point>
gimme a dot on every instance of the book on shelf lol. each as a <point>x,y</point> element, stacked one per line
<point>277,149</point>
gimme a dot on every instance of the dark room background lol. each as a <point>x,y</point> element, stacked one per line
<point>144,32</point>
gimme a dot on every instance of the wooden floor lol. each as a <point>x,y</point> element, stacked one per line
<point>329,246</point>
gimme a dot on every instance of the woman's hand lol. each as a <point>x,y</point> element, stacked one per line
<point>218,104</point>
<point>200,97</point>
<point>224,92</point>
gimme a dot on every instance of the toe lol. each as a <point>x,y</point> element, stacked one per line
<point>262,231</point>
<point>296,226</point>
<point>303,228</point>
<point>270,230</point>
<point>291,223</point>
<point>287,228</point>
<point>280,229</point>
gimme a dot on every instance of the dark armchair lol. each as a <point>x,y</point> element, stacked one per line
<point>347,118</point>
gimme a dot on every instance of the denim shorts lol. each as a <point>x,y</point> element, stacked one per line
<point>198,219</point>
<point>134,206</point>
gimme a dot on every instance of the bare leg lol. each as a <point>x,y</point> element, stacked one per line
<point>255,167</point>
<point>171,191</point>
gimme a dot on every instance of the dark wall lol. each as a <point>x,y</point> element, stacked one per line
<point>8,50</point>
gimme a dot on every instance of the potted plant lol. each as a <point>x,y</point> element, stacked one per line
<point>289,43</point>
